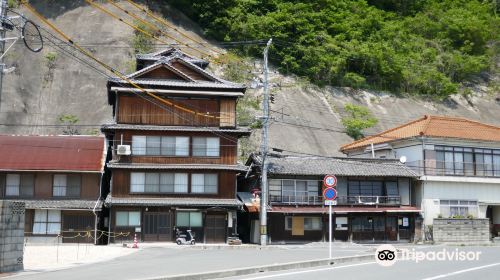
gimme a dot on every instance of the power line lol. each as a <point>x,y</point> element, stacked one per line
<point>106,11</point>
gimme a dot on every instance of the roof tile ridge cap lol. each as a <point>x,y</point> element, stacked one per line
<point>346,146</point>
<point>462,119</point>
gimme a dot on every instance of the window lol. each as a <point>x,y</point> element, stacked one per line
<point>66,185</point>
<point>204,183</point>
<point>141,182</point>
<point>189,219</point>
<point>47,222</point>
<point>128,218</point>
<point>310,223</point>
<point>275,190</point>
<point>206,146</point>
<point>365,188</point>
<point>21,185</point>
<point>450,208</point>
<point>467,161</point>
<point>391,188</point>
<point>160,145</point>
<point>295,191</point>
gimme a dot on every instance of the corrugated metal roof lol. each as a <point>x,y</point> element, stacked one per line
<point>319,166</point>
<point>432,126</point>
<point>241,168</point>
<point>114,126</point>
<point>62,204</point>
<point>62,153</point>
<point>172,201</point>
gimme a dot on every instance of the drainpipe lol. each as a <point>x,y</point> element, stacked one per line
<point>95,206</point>
<point>373,150</point>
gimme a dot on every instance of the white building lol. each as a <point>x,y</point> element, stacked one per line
<point>458,161</point>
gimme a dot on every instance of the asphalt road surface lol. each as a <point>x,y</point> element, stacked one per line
<point>487,267</point>
<point>155,262</point>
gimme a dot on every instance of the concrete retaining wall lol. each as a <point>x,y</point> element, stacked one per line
<point>466,231</point>
<point>11,235</point>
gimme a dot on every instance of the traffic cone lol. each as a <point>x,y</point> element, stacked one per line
<point>135,241</point>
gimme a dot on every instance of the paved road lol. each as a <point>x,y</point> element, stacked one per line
<point>151,262</point>
<point>487,267</point>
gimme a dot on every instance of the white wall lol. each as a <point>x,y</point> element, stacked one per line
<point>412,153</point>
<point>483,192</point>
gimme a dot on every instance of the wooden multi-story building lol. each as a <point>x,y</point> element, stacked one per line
<point>174,156</point>
<point>59,178</point>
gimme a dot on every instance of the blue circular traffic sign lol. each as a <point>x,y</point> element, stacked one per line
<point>330,194</point>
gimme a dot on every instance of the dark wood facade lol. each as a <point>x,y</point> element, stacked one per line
<point>227,155</point>
<point>185,96</point>
<point>226,184</point>
<point>135,110</point>
<point>43,185</point>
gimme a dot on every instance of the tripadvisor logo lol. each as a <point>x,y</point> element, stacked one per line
<point>387,255</point>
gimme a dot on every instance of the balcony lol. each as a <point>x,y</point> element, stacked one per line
<point>450,168</point>
<point>341,200</point>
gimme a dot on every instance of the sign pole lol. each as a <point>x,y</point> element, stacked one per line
<point>330,227</point>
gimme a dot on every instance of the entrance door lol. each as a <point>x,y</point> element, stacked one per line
<point>157,226</point>
<point>391,228</point>
<point>215,228</point>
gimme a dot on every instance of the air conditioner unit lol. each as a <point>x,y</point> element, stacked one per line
<point>123,150</point>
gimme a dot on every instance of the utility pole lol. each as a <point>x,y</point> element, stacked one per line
<point>263,151</point>
<point>3,16</point>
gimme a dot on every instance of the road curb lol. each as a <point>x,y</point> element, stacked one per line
<point>266,268</point>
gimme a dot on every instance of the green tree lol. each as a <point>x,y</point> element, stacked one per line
<point>69,121</point>
<point>357,119</point>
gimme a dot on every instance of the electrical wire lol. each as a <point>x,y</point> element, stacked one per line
<point>109,13</point>
<point>133,15</point>
<point>167,24</point>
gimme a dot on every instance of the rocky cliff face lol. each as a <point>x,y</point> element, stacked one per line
<point>306,118</point>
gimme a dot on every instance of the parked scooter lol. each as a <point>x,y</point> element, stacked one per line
<point>184,239</point>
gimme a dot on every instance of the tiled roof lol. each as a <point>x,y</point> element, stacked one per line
<point>432,126</point>
<point>188,81</point>
<point>61,153</point>
<point>114,126</point>
<point>62,204</point>
<point>323,210</point>
<point>228,167</point>
<point>290,165</point>
<point>179,83</point>
<point>172,201</point>
<point>169,52</point>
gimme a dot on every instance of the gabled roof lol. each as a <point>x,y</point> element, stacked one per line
<point>432,126</point>
<point>52,153</point>
<point>169,52</point>
<point>320,166</point>
<point>186,79</point>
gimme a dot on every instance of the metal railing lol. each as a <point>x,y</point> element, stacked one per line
<point>341,200</point>
<point>450,168</point>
